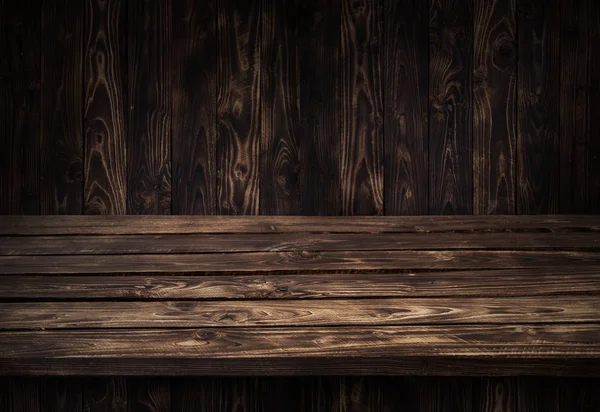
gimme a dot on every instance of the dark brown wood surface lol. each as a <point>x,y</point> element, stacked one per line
<point>105,70</point>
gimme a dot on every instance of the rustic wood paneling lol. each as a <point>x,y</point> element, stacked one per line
<point>538,107</point>
<point>61,394</point>
<point>406,106</point>
<point>494,106</point>
<point>149,122</point>
<point>61,169</point>
<point>361,72</point>
<point>238,106</point>
<point>19,107</point>
<point>450,106</point>
<point>25,394</point>
<point>148,395</point>
<point>593,137</point>
<point>194,100</point>
<point>104,394</point>
<point>105,77</point>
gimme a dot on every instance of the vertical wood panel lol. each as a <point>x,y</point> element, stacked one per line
<point>579,395</point>
<point>19,107</point>
<point>593,132</point>
<point>494,395</point>
<point>194,107</point>
<point>105,394</point>
<point>149,137</point>
<point>238,106</point>
<point>406,106</point>
<point>494,106</point>
<point>61,394</point>
<point>61,108</point>
<point>105,64</point>
<point>538,107</point>
<point>450,111</point>
<point>149,395</point>
<point>25,394</point>
<point>280,191</point>
<point>362,148</point>
<point>573,105</point>
<point>539,394</point>
<point>300,108</point>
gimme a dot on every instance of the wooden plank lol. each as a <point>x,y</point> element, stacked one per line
<point>61,186</point>
<point>130,225</point>
<point>194,107</point>
<point>149,395</point>
<point>450,107</point>
<point>578,394</point>
<point>238,107</point>
<point>573,105</point>
<point>25,394</point>
<point>106,394</point>
<point>61,394</point>
<point>149,134</point>
<point>105,80</point>
<point>512,282</point>
<point>362,148</point>
<point>494,106</point>
<point>293,261</point>
<point>537,395</point>
<point>538,107</point>
<point>593,137</point>
<point>495,394</point>
<point>513,343</point>
<point>407,311</point>
<point>20,107</point>
<point>194,243</point>
<point>406,133</point>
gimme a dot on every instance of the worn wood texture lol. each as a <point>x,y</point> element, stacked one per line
<point>24,394</point>
<point>105,394</point>
<point>148,395</point>
<point>194,99</point>
<point>149,121</point>
<point>494,106</point>
<point>406,132</point>
<point>450,107</point>
<point>61,168</point>
<point>239,100</point>
<point>538,107</point>
<point>105,70</point>
<point>511,282</point>
<point>573,105</point>
<point>361,77</point>
<point>20,108</point>
<point>61,394</point>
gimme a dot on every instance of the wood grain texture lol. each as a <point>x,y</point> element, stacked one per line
<point>149,122</point>
<point>511,282</point>
<point>538,107</point>
<point>406,106</point>
<point>361,72</point>
<point>573,105</point>
<point>238,106</point>
<point>495,395</point>
<point>148,395</point>
<point>61,394</point>
<point>593,138</point>
<point>20,107</point>
<point>198,243</point>
<point>136,225</point>
<point>293,261</point>
<point>25,394</point>
<point>105,394</point>
<point>406,311</point>
<point>194,99</point>
<point>494,106</point>
<point>537,395</point>
<point>105,77</point>
<point>450,107</point>
<point>61,169</point>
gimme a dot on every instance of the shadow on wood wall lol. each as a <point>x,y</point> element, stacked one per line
<point>328,107</point>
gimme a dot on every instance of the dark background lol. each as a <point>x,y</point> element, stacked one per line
<point>312,107</point>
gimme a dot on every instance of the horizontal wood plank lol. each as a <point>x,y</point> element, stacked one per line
<point>80,315</point>
<point>230,243</point>
<point>120,225</point>
<point>511,282</point>
<point>293,261</point>
<point>468,341</point>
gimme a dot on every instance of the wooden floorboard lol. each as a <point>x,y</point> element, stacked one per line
<point>302,285</point>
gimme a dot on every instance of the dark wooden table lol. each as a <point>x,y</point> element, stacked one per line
<point>135,295</point>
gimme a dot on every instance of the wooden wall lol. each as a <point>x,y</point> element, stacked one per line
<point>314,107</point>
